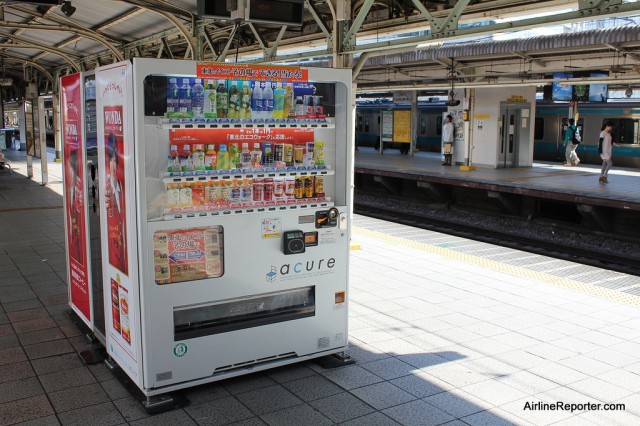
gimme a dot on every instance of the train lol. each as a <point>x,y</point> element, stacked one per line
<point>550,125</point>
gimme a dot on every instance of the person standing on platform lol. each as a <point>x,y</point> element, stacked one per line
<point>571,136</point>
<point>605,149</point>
<point>447,140</point>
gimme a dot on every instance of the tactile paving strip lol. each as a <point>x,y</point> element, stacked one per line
<point>560,278</point>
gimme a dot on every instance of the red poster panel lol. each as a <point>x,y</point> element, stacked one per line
<point>216,136</point>
<point>115,187</point>
<point>220,71</point>
<point>74,195</point>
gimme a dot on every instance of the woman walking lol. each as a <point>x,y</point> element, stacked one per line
<point>604,148</point>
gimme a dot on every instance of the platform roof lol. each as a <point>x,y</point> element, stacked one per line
<point>386,42</point>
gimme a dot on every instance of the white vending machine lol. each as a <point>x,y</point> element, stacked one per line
<point>226,197</point>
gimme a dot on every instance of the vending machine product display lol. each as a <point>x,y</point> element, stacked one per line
<point>226,196</point>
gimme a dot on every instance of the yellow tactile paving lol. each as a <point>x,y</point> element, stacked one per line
<point>518,271</point>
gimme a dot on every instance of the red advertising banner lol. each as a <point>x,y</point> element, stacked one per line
<point>215,71</point>
<point>115,187</point>
<point>206,136</point>
<point>74,205</point>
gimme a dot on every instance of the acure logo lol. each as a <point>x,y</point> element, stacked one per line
<point>309,266</point>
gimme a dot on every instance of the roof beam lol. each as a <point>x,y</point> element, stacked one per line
<point>529,58</point>
<point>624,51</point>
<point>67,58</point>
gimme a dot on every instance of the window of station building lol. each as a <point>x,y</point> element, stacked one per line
<point>625,130</point>
<point>538,132</point>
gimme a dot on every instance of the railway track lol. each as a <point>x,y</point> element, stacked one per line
<point>584,248</point>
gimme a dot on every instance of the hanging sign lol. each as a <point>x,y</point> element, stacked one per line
<point>219,71</point>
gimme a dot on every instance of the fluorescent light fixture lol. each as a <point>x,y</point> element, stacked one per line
<point>598,80</point>
<point>429,44</point>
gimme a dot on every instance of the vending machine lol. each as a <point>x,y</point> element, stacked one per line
<point>226,197</point>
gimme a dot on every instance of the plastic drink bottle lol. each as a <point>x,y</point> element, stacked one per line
<point>257,102</point>
<point>245,101</point>
<point>267,96</point>
<point>174,159</point>
<point>234,156</point>
<point>223,158</point>
<point>235,191</point>
<point>288,101</point>
<point>184,97</point>
<point>198,158</point>
<point>256,155</point>
<point>245,156</point>
<point>186,195</point>
<point>222,99</point>
<point>234,101</point>
<point>210,157</point>
<point>186,162</point>
<point>246,191</point>
<point>210,105</point>
<point>225,192</point>
<point>197,99</point>
<point>198,194</point>
<point>299,108</point>
<point>278,102</point>
<point>172,96</point>
<point>173,195</point>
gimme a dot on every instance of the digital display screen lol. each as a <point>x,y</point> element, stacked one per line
<point>598,92</point>
<point>276,11</point>
<point>561,92</point>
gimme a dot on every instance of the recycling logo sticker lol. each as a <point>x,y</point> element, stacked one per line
<point>180,350</point>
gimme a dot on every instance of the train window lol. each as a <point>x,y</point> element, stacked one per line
<point>538,132</point>
<point>438,125</point>
<point>625,130</point>
<point>359,126</point>
<point>366,124</point>
<point>423,124</point>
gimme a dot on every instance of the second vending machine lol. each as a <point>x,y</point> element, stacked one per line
<point>226,191</point>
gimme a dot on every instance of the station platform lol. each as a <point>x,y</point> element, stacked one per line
<point>443,330</point>
<point>544,180</point>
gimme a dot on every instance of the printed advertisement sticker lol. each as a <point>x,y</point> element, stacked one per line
<point>75,195</point>
<point>271,227</point>
<point>216,71</point>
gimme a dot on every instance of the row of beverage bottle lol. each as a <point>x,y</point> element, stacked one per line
<point>241,100</point>
<point>265,154</point>
<point>217,193</point>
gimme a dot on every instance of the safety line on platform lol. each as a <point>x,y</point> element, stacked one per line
<point>504,267</point>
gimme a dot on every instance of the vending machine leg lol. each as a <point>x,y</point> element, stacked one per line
<point>339,359</point>
<point>160,403</point>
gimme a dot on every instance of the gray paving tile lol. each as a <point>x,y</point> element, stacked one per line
<point>458,403</point>
<point>113,388</point>
<point>494,392</point>
<point>10,341</point>
<point>24,410</point>
<point>130,408</point>
<point>390,368</point>
<point>599,389</point>
<point>342,407</point>
<point>383,395</point>
<point>295,415</point>
<point>99,415</point>
<point>22,305</point>
<point>247,383</point>
<point>421,384</point>
<point>66,379</point>
<point>494,417</point>
<point>205,393</point>
<point>219,412</point>
<point>27,314</point>
<point>41,336</point>
<point>312,388</point>
<point>352,376</point>
<point>373,419</point>
<point>78,397</point>
<point>6,330</point>
<point>47,349</point>
<point>16,371</point>
<point>11,355</point>
<point>253,421</point>
<point>175,417</point>
<point>34,324</point>
<point>41,421</point>
<point>290,372</point>
<point>268,400</point>
<point>56,363</point>
<point>418,413</point>
<point>19,389</point>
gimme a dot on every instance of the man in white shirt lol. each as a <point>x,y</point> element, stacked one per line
<point>447,140</point>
